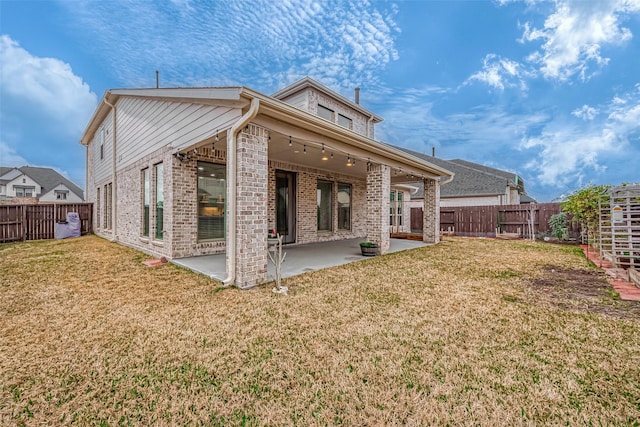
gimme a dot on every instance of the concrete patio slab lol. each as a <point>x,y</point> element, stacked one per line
<point>300,258</point>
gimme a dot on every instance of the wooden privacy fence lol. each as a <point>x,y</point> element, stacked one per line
<point>484,221</point>
<point>37,222</point>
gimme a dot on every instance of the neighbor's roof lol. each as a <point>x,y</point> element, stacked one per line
<point>513,178</point>
<point>467,181</point>
<point>47,178</point>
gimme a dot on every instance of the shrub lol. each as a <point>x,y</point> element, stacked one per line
<point>559,227</point>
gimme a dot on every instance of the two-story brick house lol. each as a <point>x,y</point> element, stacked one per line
<point>191,171</point>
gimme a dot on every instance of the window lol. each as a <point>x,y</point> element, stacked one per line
<point>345,121</point>
<point>98,207</point>
<point>212,192</point>
<point>159,201</point>
<point>146,200</point>
<point>399,208</point>
<point>325,196</point>
<point>61,195</point>
<point>106,211</point>
<point>102,138</point>
<point>22,191</point>
<point>344,206</point>
<point>325,112</point>
<point>395,208</point>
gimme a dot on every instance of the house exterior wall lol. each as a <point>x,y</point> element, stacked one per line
<point>51,195</point>
<point>299,100</point>
<point>22,181</point>
<point>307,203</point>
<point>378,189</point>
<point>471,201</point>
<point>102,157</point>
<point>146,125</point>
<point>251,207</point>
<point>431,211</point>
<point>309,98</point>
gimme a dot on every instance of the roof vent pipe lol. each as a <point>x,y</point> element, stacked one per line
<point>357,95</point>
<point>433,151</point>
<point>157,79</point>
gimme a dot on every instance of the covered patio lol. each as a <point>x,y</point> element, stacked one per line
<point>300,258</point>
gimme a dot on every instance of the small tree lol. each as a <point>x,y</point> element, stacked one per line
<point>582,204</point>
<point>559,226</point>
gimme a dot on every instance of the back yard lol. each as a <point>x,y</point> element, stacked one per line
<point>466,332</point>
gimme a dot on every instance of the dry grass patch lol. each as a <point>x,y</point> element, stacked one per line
<point>458,333</point>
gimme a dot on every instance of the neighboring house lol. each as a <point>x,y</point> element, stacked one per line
<point>473,185</point>
<point>179,172</point>
<point>29,183</point>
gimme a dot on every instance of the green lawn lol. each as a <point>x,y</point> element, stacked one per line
<point>467,332</point>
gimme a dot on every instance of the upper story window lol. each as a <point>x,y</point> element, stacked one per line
<point>102,139</point>
<point>61,195</point>
<point>325,113</point>
<point>345,121</point>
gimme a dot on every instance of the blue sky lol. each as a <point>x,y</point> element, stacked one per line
<point>547,89</point>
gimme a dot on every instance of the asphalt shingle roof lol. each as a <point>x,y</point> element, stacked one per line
<point>47,178</point>
<point>471,179</point>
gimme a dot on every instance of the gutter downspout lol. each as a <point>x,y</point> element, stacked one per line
<point>231,188</point>
<point>448,180</point>
<point>369,129</point>
<point>114,179</point>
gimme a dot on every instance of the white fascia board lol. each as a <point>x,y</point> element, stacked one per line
<point>287,113</point>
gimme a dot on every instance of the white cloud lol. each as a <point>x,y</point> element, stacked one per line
<point>45,86</point>
<point>500,72</point>
<point>585,112</point>
<point>569,151</point>
<point>9,157</point>
<point>574,34</point>
<point>341,44</point>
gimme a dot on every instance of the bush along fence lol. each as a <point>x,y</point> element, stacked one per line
<point>38,221</point>
<point>488,221</point>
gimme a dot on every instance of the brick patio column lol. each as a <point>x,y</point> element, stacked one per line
<point>378,190</point>
<point>251,208</point>
<point>431,211</point>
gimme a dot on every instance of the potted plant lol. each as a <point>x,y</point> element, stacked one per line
<point>369,248</point>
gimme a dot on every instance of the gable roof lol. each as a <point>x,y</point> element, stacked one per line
<point>513,178</point>
<point>468,181</point>
<point>47,178</point>
<point>273,109</point>
<point>308,82</point>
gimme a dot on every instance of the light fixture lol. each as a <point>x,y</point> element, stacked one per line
<point>217,138</point>
<point>323,148</point>
<point>305,150</point>
<point>349,161</point>
<point>325,157</point>
<point>332,155</point>
<point>289,141</point>
<point>195,151</point>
